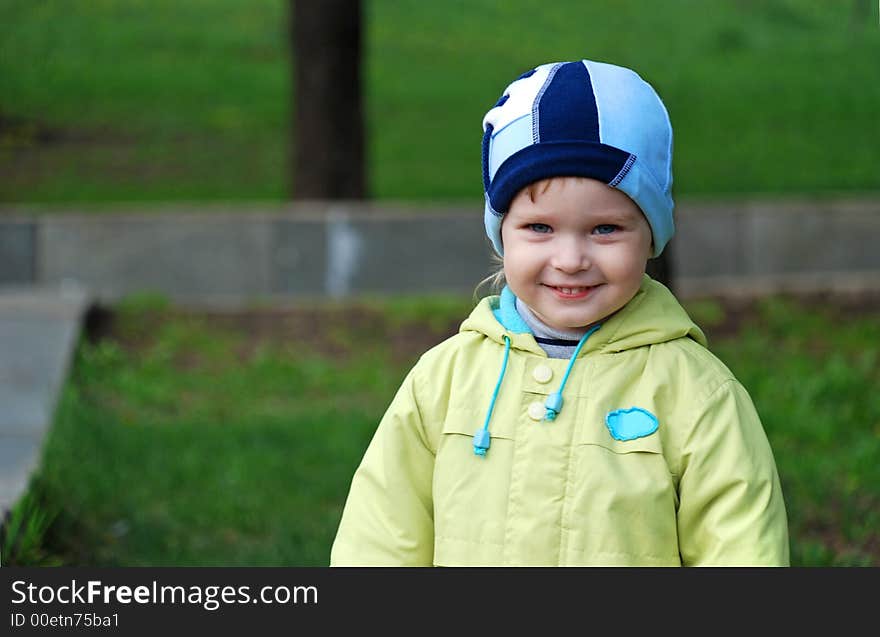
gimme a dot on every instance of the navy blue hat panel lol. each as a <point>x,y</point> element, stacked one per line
<point>554,159</point>
<point>567,108</point>
<point>487,139</point>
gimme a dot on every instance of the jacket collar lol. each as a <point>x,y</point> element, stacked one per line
<point>653,316</point>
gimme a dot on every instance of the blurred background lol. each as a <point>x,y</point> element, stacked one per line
<point>255,217</point>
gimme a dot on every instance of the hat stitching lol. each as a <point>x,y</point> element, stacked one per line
<point>623,171</point>
<point>536,130</point>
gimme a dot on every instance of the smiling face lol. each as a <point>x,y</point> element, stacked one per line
<point>575,252</point>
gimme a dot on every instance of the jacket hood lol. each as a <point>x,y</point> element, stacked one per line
<point>653,316</point>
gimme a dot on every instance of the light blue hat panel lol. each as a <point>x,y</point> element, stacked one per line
<point>632,117</point>
<point>511,139</point>
<point>507,129</point>
<point>655,203</point>
<point>492,222</point>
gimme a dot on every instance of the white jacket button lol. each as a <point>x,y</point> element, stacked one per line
<point>536,410</point>
<point>542,373</point>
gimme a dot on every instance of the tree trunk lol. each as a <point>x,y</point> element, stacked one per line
<point>328,132</point>
<point>660,268</point>
<point>861,13</point>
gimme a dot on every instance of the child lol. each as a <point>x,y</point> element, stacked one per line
<point>577,418</point>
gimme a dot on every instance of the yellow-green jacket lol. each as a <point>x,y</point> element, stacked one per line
<point>602,484</point>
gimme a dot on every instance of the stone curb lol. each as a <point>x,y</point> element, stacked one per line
<point>39,329</point>
<point>224,256</point>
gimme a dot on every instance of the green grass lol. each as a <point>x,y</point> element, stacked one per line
<point>187,441</point>
<point>187,444</point>
<point>814,380</point>
<point>148,101</point>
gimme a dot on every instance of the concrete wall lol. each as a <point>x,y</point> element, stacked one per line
<point>238,256</point>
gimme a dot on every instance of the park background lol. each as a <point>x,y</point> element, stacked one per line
<point>190,436</point>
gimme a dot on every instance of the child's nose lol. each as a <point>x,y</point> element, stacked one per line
<point>570,255</point>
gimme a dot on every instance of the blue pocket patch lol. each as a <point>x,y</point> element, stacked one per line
<point>628,424</point>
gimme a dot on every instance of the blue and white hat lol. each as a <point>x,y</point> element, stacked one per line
<point>584,119</point>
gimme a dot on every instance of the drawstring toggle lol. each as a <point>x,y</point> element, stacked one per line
<point>554,400</point>
<point>553,406</point>
<point>482,440</point>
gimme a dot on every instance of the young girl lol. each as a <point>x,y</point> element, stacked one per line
<point>577,418</point>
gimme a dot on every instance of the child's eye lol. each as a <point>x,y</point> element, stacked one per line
<point>541,228</point>
<point>605,228</point>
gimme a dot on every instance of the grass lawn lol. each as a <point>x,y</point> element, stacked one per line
<point>190,439</point>
<point>131,100</point>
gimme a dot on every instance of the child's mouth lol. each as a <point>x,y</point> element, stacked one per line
<point>572,292</point>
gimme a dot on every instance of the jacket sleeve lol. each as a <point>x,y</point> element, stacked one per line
<point>388,518</point>
<point>731,511</point>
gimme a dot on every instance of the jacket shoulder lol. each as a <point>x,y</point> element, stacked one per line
<point>437,367</point>
<point>447,351</point>
<point>694,364</point>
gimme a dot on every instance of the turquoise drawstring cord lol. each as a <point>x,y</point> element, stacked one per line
<point>554,400</point>
<point>482,438</point>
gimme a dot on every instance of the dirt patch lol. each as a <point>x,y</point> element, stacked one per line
<point>841,304</point>
<point>19,132</point>
<point>334,332</point>
<point>340,331</point>
<point>36,157</point>
<point>23,133</point>
<point>738,311</point>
